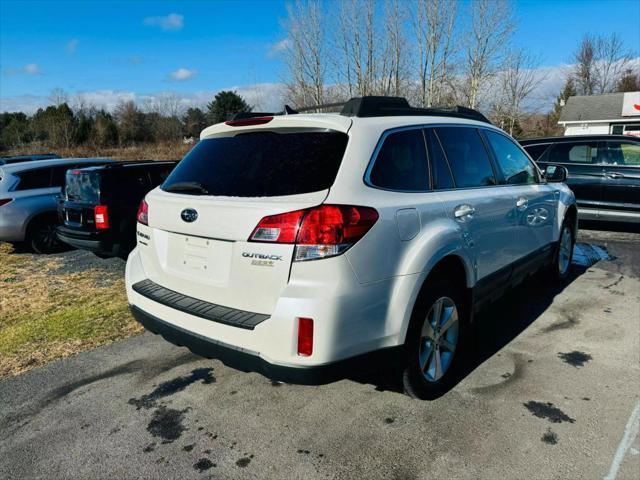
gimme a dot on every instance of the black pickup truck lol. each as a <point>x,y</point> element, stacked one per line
<point>98,205</point>
<point>603,172</point>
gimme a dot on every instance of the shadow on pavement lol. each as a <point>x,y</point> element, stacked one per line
<point>502,321</point>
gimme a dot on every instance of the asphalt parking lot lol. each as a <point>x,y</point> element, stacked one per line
<point>551,392</point>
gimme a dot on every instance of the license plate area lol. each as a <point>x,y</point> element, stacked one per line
<point>73,217</point>
<point>198,258</point>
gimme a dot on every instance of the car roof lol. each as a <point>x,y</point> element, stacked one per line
<point>128,164</point>
<point>341,123</point>
<point>54,162</point>
<point>576,138</point>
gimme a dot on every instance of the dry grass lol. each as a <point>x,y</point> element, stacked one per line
<point>156,151</point>
<point>47,312</point>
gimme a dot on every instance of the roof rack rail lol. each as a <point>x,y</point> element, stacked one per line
<point>376,106</point>
<point>372,106</point>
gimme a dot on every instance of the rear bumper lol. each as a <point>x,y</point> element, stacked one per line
<point>97,242</point>
<point>249,361</point>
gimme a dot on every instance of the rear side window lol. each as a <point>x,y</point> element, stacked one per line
<point>515,165</point>
<point>579,152</point>
<point>442,179</point>
<point>621,153</point>
<point>467,156</point>
<point>401,163</point>
<point>31,179</point>
<point>261,164</point>
<point>536,151</point>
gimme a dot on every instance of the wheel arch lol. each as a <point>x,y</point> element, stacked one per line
<point>453,266</point>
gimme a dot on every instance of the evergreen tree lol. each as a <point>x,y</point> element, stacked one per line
<point>225,104</point>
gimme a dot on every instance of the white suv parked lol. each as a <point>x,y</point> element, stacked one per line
<point>294,245</point>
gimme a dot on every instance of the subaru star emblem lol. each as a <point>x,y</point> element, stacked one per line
<point>189,215</point>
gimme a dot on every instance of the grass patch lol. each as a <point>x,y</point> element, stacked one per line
<point>46,314</point>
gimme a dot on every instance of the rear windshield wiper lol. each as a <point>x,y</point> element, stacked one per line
<point>194,187</point>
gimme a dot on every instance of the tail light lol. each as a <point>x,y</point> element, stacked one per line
<point>101,216</point>
<point>143,213</point>
<point>318,232</point>
<point>305,337</point>
<point>4,201</point>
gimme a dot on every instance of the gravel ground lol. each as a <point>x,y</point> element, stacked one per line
<point>549,393</point>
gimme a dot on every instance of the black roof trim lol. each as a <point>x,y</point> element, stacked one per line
<point>576,138</point>
<point>376,106</point>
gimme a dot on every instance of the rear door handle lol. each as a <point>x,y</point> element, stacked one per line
<point>613,175</point>
<point>463,211</point>
<point>522,202</point>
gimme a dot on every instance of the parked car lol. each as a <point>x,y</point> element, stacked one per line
<point>98,207</point>
<point>299,245</point>
<point>604,172</point>
<point>29,194</point>
<point>6,160</point>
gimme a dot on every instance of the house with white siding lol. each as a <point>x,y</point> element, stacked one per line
<point>615,113</point>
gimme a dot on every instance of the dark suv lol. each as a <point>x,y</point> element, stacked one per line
<point>604,172</point>
<point>99,204</point>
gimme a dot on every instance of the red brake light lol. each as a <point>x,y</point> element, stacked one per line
<point>318,232</point>
<point>101,216</point>
<point>4,201</point>
<point>143,213</point>
<point>75,172</point>
<point>305,336</point>
<point>245,122</point>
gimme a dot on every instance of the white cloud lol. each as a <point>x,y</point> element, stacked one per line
<point>72,45</point>
<point>173,21</point>
<point>182,74</point>
<point>278,47</point>
<point>265,97</point>
<point>31,69</point>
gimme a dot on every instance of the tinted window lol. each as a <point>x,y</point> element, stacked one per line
<point>261,164</point>
<point>621,153</point>
<point>40,178</point>
<point>579,152</point>
<point>401,163</point>
<point>467,156</point>
<point>82,186</point>
<point>514,164</point>
<point>536,151</point>
<point>441,172</point>
<point>58,175</point>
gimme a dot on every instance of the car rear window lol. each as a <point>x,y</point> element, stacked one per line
<point>82,186</point>
<point>536,151</point>
<point>261,164</point>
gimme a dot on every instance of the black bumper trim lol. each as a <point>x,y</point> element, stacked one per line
<point>199,308</point>
<point>250,361</point>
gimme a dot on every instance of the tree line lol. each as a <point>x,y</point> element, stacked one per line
<point>435,53</point>
<point>161,120</point>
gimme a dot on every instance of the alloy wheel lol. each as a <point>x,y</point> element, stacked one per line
<point>438,339</point>
<point>564,253</point>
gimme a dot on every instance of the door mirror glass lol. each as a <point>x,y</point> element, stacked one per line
<point>555,173</point>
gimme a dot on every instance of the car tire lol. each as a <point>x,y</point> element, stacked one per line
<point>563,255</point>
<point>42,236</point>
<point>434,354</point>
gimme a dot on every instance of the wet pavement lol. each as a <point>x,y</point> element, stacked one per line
<point>550,392</point>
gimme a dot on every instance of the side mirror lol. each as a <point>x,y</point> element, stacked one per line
<point>555,173</point>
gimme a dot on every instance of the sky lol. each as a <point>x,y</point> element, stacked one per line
<point>108,51</point>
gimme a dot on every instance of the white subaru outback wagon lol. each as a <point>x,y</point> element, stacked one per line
<point>296,245</point>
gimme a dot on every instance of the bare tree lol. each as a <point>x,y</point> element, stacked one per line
<point>58,96</point>
<point>584,72</point>
<point>612,60</point>
<point>305,52</point>
<point>492,24</point>
<point>518,79</point>
<point>433,23</point>
<point>394,58</point>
